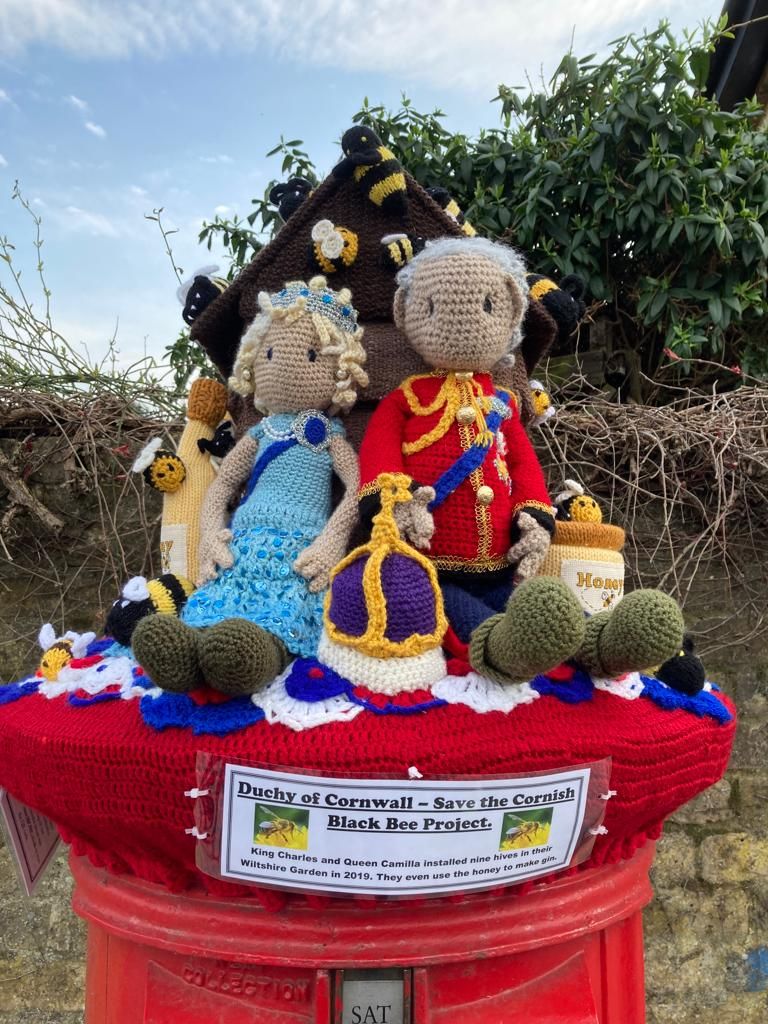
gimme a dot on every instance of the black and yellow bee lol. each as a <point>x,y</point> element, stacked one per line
<point>164,595</point>
<point>573,505</point>
<point>400,249</point>
<point>375,168</point>
<point>685,671</point>
<point>564,302</point>
<point>58,652</point>
<point>198,292</point>
<point>161,468</point>
<point>221,444</point>
<point>448,204</point>
<point>332,248</point>
<point>288,196</point>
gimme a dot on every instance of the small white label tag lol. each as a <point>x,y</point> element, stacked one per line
<point>33,840</point>
<point>173,549</point>
<point>597,585</point>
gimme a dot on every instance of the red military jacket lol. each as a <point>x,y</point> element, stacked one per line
<point>424,428</point>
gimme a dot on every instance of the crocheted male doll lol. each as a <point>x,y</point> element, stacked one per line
<point>481,504</point>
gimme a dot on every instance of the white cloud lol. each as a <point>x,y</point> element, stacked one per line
<point>136,190</point>
<point>92,223</point>
<point>96,129</point>
<point>4,97</point>
<point>449,43</point>
<point>222,211</point>
<point>220,158</point>
<point>3,161</point>
<point>78,104</point>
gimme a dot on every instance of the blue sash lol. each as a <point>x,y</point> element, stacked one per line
<point>269,454</point>
<point>468,461</point>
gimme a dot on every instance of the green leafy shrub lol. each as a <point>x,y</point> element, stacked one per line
<point>624,172</point>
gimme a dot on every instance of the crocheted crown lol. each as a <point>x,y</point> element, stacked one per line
<point>384,599</point>
<point>315,297</point>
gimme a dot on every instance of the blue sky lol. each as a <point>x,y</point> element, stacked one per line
<point>109,109</point>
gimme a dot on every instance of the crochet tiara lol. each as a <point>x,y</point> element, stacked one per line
<point>314,297</point>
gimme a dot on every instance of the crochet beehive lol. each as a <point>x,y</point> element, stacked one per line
<point>341,201</point>
<point>384,619</point>
<point>587,557</point>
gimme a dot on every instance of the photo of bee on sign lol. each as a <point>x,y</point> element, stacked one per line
<point>281,825</point>
<point>520,831</point>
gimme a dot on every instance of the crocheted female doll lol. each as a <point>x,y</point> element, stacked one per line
<point>480,500</point>
<point>263,572</point>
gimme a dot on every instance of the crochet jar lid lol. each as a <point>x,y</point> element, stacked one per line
<point>589,535</point>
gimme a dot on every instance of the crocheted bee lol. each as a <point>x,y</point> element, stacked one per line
<point>400,248</point>
<point>446,202</point>
<point>564,302</point>
<point>541,400</point>
<point>58,652</point>
<point>288,196</point>
<point>161,468</point>
<point>198,292</point>
<point>375,168</point>
<point>332,248</point>
<point>222,442</point>
<point>685,672</point>
<point>165,595</point>
<point>573,505</point>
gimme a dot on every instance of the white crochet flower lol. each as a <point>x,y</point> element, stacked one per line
<point>331,241</point>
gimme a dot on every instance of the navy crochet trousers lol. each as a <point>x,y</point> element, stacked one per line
<point>472,597</point>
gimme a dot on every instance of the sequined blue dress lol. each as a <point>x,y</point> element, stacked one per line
<point>286,505</point>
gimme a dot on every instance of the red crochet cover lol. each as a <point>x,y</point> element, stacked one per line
<point>116,788</point>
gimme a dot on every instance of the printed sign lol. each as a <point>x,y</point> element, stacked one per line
<point>32,837</point>
<point>387,837</point>
<point>597,585</point>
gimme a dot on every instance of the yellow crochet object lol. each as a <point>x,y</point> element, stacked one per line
<point>385,541</point>
<point>164,599</point>
<point>575,505</point>
<point>452,395</point>
<point>587,557</point>
<point>55,659</point>
<point>180,529</point>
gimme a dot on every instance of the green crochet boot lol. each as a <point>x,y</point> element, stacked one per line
<point>238,657</point>
<point>644,629</point>
<point>542,626</point>
<point>167,650</point>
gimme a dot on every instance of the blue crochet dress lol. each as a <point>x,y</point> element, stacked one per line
<point>287,503</point>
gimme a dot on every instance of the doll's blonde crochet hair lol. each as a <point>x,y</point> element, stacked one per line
<point>336,327</point>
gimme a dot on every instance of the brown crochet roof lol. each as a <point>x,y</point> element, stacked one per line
<point>286,258</point>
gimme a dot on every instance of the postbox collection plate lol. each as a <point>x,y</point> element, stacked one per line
<point>372,997</point>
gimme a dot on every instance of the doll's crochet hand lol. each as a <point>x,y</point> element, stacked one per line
<point>316,562</point>
<point>214,551</point>
<point>413,518</point>
<point>531,549</point>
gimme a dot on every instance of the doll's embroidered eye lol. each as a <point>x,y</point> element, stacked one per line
<point>269,353</point>
<point>487,304</point>
<point>311,355</point>
<point>430,306</point>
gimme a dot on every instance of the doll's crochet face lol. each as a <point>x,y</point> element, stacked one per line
<point>290,373</point>
<point>459,312</point>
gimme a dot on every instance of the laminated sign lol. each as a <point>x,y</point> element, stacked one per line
<point>395,837</point>
<point>33,840</point>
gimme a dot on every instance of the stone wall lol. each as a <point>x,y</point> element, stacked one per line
<point>707,929</point>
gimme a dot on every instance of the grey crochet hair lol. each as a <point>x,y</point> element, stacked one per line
<point>509,259</point>
<point>505,256</point>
